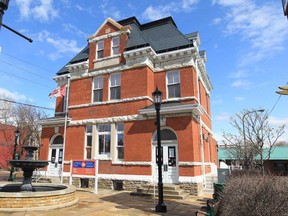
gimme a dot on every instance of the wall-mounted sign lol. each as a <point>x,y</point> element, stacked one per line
<point>83,167</point>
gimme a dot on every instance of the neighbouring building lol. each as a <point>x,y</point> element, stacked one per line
<point>111,116</point>
<point>275,159</point>
<point>7,137</point>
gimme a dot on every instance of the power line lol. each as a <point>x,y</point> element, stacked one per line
<point>25,104</point>
<point>25,79</point>
<point>276,102</point>
<point>24,70</point>
<point>26,62</point>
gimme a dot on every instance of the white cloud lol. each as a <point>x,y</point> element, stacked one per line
<point>160,11</point>
<point>238,74</point>
<point>223,117</point>
<point>61,45</point>
<point>239,98</point>
<point>261,25</point>
<point>110,10</point>
<point>241,83</point>
<point>41,10</point>
<point>73,29</point>
<point>13,95</point>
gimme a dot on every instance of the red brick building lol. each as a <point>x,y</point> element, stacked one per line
<point>111,115</point>
<point>7,137</point>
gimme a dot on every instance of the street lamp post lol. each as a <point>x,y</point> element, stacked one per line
<point>157,98</point>
<point>244,135</point>
<point>3,7</point>
<point>17,134</point>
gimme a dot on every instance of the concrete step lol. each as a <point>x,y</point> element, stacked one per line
<point>169,191</point>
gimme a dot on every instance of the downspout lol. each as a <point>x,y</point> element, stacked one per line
<point>201,130</point>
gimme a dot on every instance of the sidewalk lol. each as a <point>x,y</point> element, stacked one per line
<point>108,202</point>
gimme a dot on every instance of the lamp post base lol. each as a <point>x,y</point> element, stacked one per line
<point>161,207</point>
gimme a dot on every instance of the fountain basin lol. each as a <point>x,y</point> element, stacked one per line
<point>45,197</point>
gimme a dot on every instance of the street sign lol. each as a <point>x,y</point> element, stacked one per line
<point>283,88</point>
<point>284,92</point>
<point>285,7</point>
<point>83,167</point>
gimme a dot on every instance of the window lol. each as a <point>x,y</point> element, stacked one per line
<point>100,50</point>
<point>88,142</point>
<point>115,46</point>
<point>97,89</point>
<point>104,138</point>
<point>120,141</point>
<point>115,86</point>
<point>173,84</point>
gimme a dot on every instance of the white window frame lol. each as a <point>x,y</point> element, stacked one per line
<point>113,45</point>
<point>122,146</point>
<point>90,134</point>
<point>97,88</point>
<point>174,82</point>
<point>97,49</point>
<point>103,133</point>
<point>115,85</point>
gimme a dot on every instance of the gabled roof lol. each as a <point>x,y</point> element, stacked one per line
<point>162,35</point>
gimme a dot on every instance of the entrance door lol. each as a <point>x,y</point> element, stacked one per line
<point>169,166</point>
<point>56,156</point>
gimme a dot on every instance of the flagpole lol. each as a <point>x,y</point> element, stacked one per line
<point>65,126</point>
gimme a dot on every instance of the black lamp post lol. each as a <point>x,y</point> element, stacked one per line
<point>17,134</point>
<point>157,98</point>
<point>3,7</point>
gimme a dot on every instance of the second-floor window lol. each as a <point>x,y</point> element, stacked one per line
<point>97,89</point>
<point>115,84</point>
<point>115,46</point>
<point>88,143</point>
<point>173,84</point>
<point>100,50</point>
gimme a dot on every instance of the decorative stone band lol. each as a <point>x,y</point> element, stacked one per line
<point>132,163</point>
<point>194,163</point>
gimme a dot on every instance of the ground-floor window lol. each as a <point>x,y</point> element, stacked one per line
<point>120,140</point>
<point>104,139</point>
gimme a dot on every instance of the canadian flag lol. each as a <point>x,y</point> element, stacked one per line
<point>60,91</point>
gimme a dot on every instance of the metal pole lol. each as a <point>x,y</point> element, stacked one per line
<point>14,157</point>
<point>160,207</point>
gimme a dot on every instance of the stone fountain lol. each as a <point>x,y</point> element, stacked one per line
<point>28,166</point>
<point>39,196</point>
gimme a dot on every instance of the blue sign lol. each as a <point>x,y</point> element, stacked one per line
<point>83,164</point>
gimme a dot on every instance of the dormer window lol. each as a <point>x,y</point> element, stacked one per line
<point>115,46</point>
<point>100,50</point>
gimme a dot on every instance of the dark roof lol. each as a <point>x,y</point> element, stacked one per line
<point>82,56</point>
<point>162,35</point>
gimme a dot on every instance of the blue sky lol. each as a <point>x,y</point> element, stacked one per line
<point>246,43</point>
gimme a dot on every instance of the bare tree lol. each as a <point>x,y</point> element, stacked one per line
<point>25,119</point>
<point>5,109</point>
<point>254,139</point>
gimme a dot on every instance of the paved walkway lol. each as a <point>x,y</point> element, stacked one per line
<point>108,202</point>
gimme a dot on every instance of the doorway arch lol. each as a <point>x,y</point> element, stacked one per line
<point>169,145</point>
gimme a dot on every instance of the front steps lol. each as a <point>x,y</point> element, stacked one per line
<point>170,191</point>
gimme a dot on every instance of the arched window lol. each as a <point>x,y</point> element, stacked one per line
<point>166,135</point>
<point>57,140</point>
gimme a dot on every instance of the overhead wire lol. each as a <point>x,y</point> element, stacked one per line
<point>25,104</point>
<point>37,83</point>
<point>276,102</point>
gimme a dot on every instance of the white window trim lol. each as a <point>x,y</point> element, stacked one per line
<point>93,88</point>
<point>119,132</point>
<point>112,46</point>
<point>85,147</point>
<point>103,156</point>
<point>98,50</point>
<point>109,91</point>
<point>167,90</point>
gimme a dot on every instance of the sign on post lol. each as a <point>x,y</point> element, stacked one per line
<point>83,167</point>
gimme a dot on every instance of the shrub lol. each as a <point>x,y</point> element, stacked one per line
<point>253,195</point>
